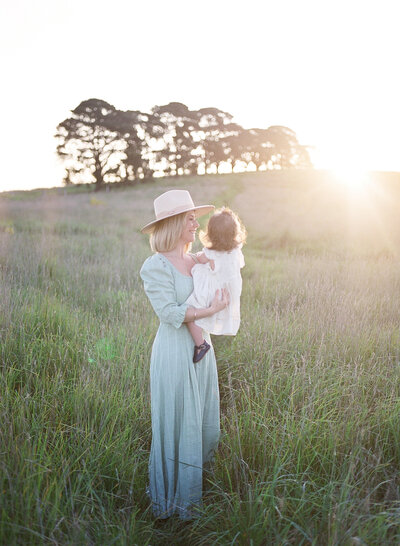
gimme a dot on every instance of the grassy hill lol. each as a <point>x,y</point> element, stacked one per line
<point>310,409</point>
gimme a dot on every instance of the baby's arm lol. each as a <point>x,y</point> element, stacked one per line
<point>202,258</point>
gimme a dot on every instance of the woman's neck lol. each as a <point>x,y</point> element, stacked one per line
<point>177,252</point>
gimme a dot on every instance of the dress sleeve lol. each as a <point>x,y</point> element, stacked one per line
<point>159,286</point>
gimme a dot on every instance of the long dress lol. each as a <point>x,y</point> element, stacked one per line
<point>226,274</point>
<point>184,397</point>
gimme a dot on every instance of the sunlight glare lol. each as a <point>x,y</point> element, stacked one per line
<point>352,178</point>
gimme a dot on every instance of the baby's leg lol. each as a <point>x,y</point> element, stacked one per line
<point>196,332</point>
<point>201,347</point>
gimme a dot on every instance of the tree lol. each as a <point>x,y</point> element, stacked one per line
<point>285,148</point>
<point>216,130</point>
<point>137,130</point>
<point>179,146</point>
<point>102,144</point>
<point>241,146</point>
<point>91,143</point>
<point>260,147</point>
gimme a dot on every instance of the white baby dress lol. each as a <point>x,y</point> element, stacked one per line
<point>206,281</point>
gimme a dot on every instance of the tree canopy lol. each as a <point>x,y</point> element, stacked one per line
<point>99,143</point>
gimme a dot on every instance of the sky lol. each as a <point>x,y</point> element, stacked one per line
<point>326,69</point>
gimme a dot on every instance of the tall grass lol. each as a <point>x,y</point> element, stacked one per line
<point>310,386</point>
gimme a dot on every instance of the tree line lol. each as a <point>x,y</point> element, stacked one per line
<point>99,143</point>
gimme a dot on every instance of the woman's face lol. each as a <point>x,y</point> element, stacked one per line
<point>189,228</point>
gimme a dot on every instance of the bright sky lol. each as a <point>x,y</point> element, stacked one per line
<point>328,69</point>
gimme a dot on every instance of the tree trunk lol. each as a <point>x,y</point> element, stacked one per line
<point>98,175</point>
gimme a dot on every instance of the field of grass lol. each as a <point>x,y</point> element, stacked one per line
<point>310,386</point>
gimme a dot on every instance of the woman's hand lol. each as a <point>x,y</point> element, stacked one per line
<point>220,301</point>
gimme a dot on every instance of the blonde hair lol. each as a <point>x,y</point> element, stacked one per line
<point>166,233</point>
<point>225,231</point>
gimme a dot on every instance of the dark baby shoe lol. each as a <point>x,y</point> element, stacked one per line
<point>200,351</point>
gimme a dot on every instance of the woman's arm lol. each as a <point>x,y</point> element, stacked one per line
<point>159,286</point>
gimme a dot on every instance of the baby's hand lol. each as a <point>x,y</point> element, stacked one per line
<point>204,260</point>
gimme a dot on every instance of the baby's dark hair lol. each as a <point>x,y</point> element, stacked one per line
<point>225,231</point>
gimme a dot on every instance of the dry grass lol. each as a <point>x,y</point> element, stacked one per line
<point>309,387</point>
<point>314,211</point>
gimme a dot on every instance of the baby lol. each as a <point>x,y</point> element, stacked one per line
<point>218,268</point>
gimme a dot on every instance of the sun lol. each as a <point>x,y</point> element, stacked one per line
<point>353,178</point>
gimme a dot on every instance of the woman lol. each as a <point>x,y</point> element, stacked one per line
<point>184,396</point>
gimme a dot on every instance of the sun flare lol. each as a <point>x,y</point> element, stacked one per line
<point>352,178</point>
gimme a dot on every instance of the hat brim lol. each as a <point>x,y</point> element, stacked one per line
<point>199,211</point>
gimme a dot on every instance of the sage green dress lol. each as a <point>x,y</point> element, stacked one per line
<point>184,397</point>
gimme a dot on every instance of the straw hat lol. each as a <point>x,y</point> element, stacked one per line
<point>174,202</point>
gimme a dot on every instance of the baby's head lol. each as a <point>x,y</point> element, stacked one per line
<point>225,231</point>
